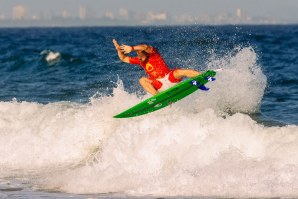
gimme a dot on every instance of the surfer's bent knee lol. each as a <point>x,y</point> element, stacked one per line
<point>178,73</point>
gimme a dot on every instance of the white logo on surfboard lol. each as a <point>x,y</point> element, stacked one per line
<point>151,101</point>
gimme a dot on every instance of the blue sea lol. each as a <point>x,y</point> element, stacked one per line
<point>61,87</point>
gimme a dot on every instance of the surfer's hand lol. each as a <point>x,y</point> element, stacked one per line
<point>117,46</point>
<point>126,49</point>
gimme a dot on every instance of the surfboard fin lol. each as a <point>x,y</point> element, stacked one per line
<point>200,86</point>
<point>203,88</point>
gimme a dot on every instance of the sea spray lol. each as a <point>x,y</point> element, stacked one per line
<point>239,86</point>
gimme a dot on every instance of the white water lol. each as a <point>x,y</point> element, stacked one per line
<point>190,148</point>
<point>51,56</point>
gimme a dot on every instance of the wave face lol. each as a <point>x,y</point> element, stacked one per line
<point>204,145</point>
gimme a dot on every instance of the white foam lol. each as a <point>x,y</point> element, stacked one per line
<point>51,56</point>
<point>241,84</point>
<point>194,154</point>
<point>186,149</point>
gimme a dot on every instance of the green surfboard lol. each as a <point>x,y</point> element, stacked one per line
<point>169,96</point>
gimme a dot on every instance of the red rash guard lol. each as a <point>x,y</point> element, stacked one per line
<point>154,66</point>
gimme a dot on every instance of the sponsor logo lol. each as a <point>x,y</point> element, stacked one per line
<point>158,105</point>
<point>194,82</point>
<point>151,101</point>
<point>210,79</point>
<point>149,67</point>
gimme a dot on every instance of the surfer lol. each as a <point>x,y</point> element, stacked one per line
<point>160,77</point>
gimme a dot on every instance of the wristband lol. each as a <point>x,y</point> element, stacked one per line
<point>132,48</point>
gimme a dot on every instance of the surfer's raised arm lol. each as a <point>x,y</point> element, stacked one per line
<point>141,47</point>
<point>121,55</point>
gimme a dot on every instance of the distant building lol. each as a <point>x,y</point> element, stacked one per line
<point>238,13</point>
<point>65,14</point>
<point>2,17</point>
<point>82,12</point>
<point>109,15</point>
<point>152,17</point>
<point>123,12</point>
<point>19,12</point>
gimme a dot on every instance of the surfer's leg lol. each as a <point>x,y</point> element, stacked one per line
<point>147,86</point>
<point>179,73</point>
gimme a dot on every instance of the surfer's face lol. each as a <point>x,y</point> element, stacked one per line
<point>142,56</point>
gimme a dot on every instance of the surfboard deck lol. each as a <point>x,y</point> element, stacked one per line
<point>169,96</point>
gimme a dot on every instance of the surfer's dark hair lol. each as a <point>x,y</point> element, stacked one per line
<point>144,52</point>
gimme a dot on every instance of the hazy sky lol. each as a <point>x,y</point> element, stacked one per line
<point>285,10</point>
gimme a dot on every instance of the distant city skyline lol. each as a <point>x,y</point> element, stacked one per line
<point>141,12</point>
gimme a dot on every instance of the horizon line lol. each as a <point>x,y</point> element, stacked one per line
<point>147,25</point>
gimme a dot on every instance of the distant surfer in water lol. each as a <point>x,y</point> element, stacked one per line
<point>160,77</point>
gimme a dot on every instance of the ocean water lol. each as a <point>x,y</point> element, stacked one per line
<point>60,87</point>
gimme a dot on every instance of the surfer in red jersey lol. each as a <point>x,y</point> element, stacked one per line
<point>160,77</point>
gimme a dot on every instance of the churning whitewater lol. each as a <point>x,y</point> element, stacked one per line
<point>206,144</point>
